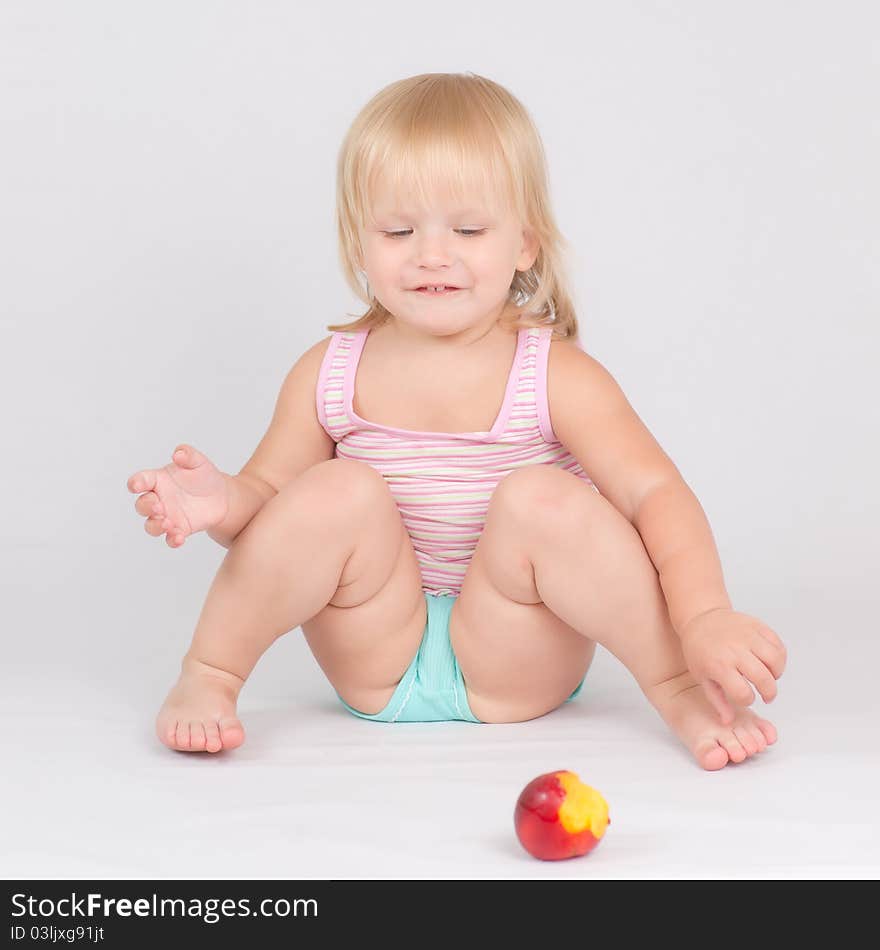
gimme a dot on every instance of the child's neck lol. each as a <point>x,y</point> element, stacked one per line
<point>420,339</point>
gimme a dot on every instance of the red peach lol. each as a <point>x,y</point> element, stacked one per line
<point>557,816</point>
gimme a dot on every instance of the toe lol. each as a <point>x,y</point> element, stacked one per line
<point>746,739</point>
<point>758,736</point>
<point>711,755</point>
<point>734,747</point>
<point>197,736</point>
<point>768,729</point>
<point>166,730</point>
<point>212,737</point>
<point>231,733</point>
<point>181,738</point>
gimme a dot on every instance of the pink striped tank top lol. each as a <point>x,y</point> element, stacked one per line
<point>442,481</point>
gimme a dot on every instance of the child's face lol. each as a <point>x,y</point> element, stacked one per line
<point>467,245</point>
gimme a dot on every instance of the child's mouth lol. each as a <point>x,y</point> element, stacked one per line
<point>442,292</point>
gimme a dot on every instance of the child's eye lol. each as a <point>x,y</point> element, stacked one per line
<point>465,232</point>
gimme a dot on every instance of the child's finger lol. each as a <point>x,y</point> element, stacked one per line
<point>146,504</point>
<point>154,526</point>
<point>756,672</point>
<point>716,697</point>
<point>187,457</point>
<point>771,636</point>
<point>142,481</point>
<point>771,653</point>
<point>737,687</point>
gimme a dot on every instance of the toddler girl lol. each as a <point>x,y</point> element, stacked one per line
<point>453,500</point>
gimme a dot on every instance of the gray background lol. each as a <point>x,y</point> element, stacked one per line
<point>168,250</point>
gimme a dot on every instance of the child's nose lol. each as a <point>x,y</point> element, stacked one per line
<point>434,250</point>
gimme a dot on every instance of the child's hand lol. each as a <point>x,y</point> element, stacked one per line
<point>726,651</point>
<point>185,496</point>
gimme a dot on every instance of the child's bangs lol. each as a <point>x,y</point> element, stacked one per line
<point>421,172</point>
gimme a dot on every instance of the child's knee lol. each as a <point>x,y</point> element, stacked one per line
<point>324,502</point>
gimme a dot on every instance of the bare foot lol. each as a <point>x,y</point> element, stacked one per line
<point>199,714</point>
<point>687,711</point>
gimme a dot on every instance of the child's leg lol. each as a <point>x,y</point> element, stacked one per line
<point>330,542</point>
<point>557,563</point>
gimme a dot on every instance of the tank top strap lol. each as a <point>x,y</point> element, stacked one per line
<point>542,401</point>
<point>529,382</point>
<point>335,379</point>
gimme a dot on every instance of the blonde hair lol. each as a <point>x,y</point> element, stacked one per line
<point>464,132</point>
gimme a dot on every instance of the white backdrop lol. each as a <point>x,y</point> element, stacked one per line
<point>168,250</point>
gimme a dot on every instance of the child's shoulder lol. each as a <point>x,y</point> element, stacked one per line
<point>303,374</point>
<point>565,343</point>
<point>570,370</point>
<point>312,357</point>
<point>567,352</point>
<point>318,351</point>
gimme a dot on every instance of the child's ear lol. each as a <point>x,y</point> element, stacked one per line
<point>529,253</point>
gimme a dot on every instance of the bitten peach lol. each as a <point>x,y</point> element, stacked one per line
<point>557,816</point>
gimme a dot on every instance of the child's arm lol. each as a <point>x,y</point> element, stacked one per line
<point>593,419</point>
<point>678,538</point>
<point>247,494</point>
<point>294,442</point>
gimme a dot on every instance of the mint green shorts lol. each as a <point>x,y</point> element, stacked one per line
<point>432,688</point>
